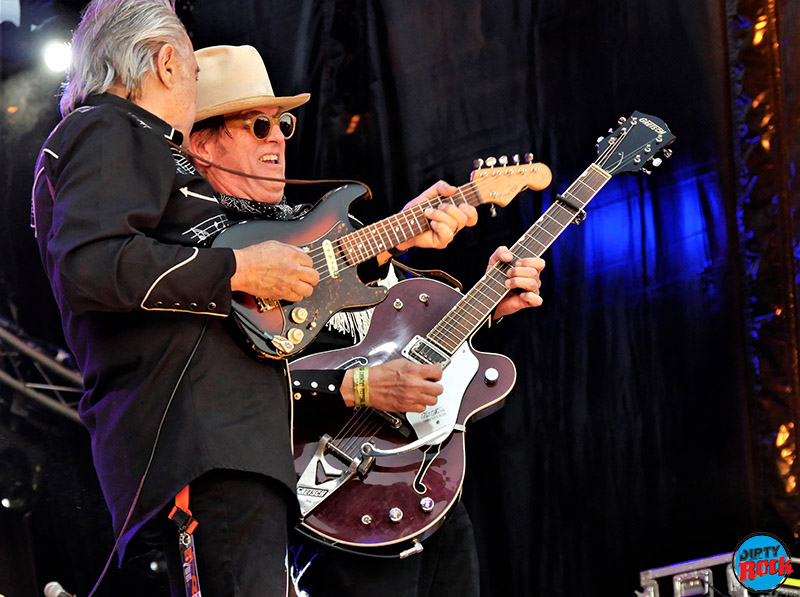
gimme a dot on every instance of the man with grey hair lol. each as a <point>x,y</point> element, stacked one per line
<point>123,222</point>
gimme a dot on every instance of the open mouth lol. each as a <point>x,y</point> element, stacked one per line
<point>269,158</point>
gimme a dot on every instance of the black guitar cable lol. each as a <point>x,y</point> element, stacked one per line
<point>297,181</point>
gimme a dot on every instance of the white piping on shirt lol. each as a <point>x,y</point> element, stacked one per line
<point>166,273</point>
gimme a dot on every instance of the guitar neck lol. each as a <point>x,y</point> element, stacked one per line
<point>470,312</point>
<point>370,241</point>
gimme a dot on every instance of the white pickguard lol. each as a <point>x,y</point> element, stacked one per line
<point>443,415</point>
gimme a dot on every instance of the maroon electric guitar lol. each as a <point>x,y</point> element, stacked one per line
<point>387,480</point>
<point>276,329</point>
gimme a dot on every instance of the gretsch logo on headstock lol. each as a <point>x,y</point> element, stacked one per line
<point>652,125</point>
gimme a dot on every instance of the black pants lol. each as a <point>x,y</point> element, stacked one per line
<point>240,539</point>
<point>447,567</point>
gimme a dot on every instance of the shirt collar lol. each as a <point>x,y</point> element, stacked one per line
<point>148,118</point>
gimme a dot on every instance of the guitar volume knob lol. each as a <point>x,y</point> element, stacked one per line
<point>395,514</point>
<point>299,314</point>
<point>295,335</point>
<point>491,375</point>
<point>427,504</point>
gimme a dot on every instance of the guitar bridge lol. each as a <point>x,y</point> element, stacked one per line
<point>265,304</point>
<point>310,493</point>
<point>422,350</point>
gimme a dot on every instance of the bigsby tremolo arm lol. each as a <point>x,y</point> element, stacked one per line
<point>369,449</point>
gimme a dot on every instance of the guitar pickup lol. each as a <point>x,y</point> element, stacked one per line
<point>423,351</point>
<point>330,258</point>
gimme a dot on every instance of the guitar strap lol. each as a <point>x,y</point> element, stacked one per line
<point>182,517</point>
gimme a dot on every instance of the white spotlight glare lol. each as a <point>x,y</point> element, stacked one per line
<point>57,56</point>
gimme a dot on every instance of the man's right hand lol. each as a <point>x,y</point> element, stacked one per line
<point>398,386</point>
<point>274,270</point>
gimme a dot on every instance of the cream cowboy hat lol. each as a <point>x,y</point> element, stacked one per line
<point>234,78</point>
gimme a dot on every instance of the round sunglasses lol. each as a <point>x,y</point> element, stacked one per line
<point>260,126</point>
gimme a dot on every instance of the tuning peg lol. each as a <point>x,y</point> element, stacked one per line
<point>667,153</point>
<point>491,161</point>
<point>477,164</point>
<point>503,160</point>
<point>656,162</point>
<point>622,120</point>
<point>515,157</point>
<point>529,158</point>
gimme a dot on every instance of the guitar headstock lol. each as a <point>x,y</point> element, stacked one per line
<point>499,182</point>
<point>638,141</point>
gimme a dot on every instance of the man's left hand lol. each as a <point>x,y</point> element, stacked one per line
<point>445,220</point>
<point>523,282</point>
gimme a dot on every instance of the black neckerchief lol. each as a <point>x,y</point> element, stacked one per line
<point>267,211</point>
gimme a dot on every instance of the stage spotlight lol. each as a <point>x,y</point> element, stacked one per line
<point>17,481</point>
<point>57,56</point>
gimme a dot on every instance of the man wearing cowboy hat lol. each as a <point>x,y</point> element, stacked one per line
<point>243,127</point>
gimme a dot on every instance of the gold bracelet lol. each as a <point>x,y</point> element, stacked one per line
<point>361,386</point>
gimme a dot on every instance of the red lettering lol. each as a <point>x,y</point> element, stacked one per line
<point>785,566</point>
<point>773,567</point>
<point>747,570</point>
<point>762,568</point>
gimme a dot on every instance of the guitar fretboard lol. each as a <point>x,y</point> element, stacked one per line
<point>470,312</point>
<point>372,240</point>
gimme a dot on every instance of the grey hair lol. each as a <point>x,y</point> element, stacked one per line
<point>117,42</point>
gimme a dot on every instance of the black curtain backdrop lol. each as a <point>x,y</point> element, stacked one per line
<point>624,445</point>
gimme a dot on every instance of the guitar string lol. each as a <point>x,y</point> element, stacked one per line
<point>446,333</point>
<point>522,245</point>
<point>366,246</point>
<point>385,226</point>
<point>341,260</point>
<point>497,276</point>
<point>354,422</point>
<point>416,211</point>
<point>358,426</point>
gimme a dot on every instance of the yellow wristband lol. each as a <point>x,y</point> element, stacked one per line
<point>361,386</point>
